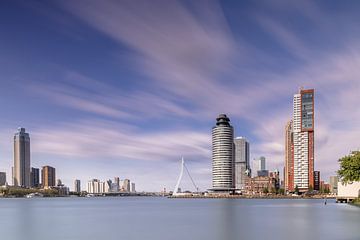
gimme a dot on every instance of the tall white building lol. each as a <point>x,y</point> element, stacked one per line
<point>21,170</point>
<point>223,155</point>
<point>126,185</point>
<point>303,140</point>
<point>94,186</point>
<point>242,164</point>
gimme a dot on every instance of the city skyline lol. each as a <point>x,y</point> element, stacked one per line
<point>123,99</point>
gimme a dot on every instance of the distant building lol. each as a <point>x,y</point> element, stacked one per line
<point>223,155</point>
<point>263,173</point>
<point>116,185</point>
<point>108,186</point>
<point>59,182</point>
<point>48,177</point>
<point>133,187</point>
<point>259,166</point>
<point>242,161</point>
<point>21,170</point>
<point>2,178</point>
<point>35,177</point>
<point>324,187</point>
<point>77,186</point>
<point>317,180</point>
<point>93,186</point>
<point>334,184</point>
<point>126,185</point>
<point>289,158</point>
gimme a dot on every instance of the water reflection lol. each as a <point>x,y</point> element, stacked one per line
<point>164,219</point>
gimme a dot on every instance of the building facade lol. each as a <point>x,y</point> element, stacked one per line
<point>2,178</point>
<point>289,158</point>
<point>126,185</point>
<point>133,187</point>
<point>317,180</point>
<point>35,177</point>
<point>241,161</point>
<point>334,184</point>
<point>301,144</point>
<point>21,169</point>
<point>258,185</point>
<point>223,155</point>
<point>259,166</point>
<point>48,177</point>
<point>93,186</point>
<point>77,186</point>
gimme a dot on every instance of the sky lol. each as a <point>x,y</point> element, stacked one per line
<point>126,88</point>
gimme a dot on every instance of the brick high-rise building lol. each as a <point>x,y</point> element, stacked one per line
<point>289,158</point>
<point>48,177</point>
<point>300,143</point>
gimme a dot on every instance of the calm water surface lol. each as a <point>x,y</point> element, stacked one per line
<point>166,219</point>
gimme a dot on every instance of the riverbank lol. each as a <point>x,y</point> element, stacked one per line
<point>356,202</point>
<point>255,196</point>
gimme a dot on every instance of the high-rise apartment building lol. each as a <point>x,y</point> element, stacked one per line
<point>2,178</point>
<point>21,169</point>
<point>116,185</point>
<point>35,177</point>
<point>77,186</point>
<point>317,180</point>
<point>242,162</point>
<point>93,186</point>
<point>302,142</point>
<point>126,185</point>
<point>223,155</point>
<point>289,158</point>
<point>48,177</point>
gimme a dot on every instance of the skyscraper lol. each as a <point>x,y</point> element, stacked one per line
<point>223,155</point>
<point>259,167</point>
<point>21,170</point>
<point>126,185</point>
<point>242,163</point>
<point>2,178</point>
<point>35,177</point>
<point>301,143</point>
<point>48,177</point>
<point>289,158</point>
<point>77,186</point>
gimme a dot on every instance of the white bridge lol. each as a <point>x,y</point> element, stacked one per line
<point>183,166</point>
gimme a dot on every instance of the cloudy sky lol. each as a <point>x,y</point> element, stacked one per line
<point>125,88</point>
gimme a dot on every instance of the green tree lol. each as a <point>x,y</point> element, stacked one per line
<point>297,189</point>
<point>281,191</point>
<point>266,190</point>
<point>350,168</point>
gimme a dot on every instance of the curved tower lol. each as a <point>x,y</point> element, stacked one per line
<point>223,154</point>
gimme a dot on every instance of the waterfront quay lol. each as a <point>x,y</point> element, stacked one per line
<point>253,196</point>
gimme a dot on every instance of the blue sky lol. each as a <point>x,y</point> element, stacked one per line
<point>125,88</point>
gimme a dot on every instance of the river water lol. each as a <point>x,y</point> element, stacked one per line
<point>155,218</point>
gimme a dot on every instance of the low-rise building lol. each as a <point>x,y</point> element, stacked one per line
<point>348,192</point>
<point>261,184</point>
